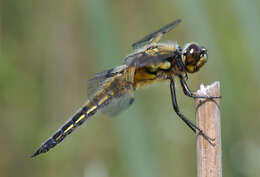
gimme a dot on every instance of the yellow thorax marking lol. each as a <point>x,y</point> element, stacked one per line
<point>165,65</point>
<point>153,68</point>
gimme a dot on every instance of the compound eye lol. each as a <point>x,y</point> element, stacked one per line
<point>192,54</point>
<point>203,52</point>
<point>194,57</point>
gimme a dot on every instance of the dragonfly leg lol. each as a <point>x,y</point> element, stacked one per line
<point>187,121</point>
<point>187,91</point>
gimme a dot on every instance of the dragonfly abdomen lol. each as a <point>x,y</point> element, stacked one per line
<point>87,111</point>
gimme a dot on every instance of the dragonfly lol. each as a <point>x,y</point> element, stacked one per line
<point>113,91</point>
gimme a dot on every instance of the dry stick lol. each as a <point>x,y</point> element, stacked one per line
<point>208,119</point>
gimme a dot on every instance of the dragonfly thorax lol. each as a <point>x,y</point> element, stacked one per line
<point>194,57</point>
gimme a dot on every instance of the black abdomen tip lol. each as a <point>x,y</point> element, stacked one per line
<point>45,147</point>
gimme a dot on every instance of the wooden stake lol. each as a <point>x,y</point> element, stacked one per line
<point>208,119</point>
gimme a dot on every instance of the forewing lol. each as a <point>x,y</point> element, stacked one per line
<point>155,36</point>
<point>141,59</point>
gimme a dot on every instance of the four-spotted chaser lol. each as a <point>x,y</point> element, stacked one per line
<point>112,91</point>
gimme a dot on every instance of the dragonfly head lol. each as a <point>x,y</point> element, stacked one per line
<point>194,57</point>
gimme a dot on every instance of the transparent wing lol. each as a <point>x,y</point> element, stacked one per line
<point>119,104</point>
<point>155,36</point>
<point>117,85</point>
<point>142,58</point>
<point>100,79</point>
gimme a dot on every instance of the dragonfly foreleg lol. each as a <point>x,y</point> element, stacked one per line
<point>187,121</point>
<point>188,92</point>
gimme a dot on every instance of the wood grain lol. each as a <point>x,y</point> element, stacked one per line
<point>209,162</point>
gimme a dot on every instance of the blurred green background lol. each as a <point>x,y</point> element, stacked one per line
<point>49,49</point>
